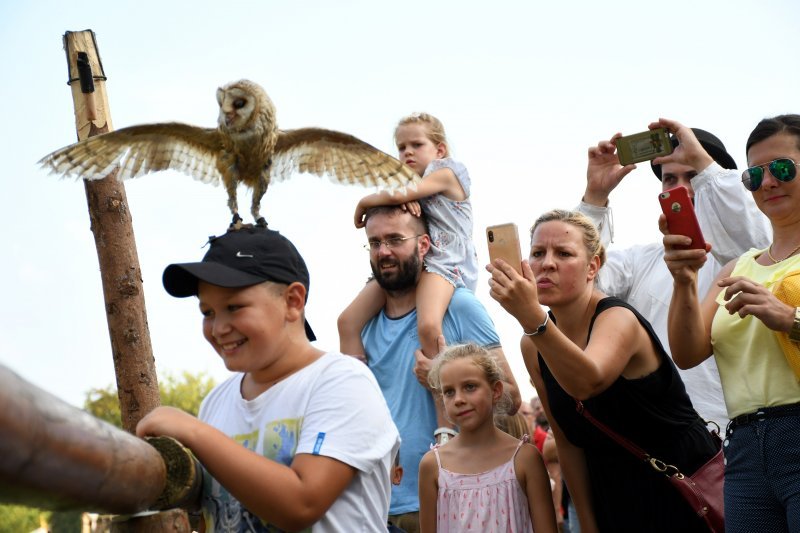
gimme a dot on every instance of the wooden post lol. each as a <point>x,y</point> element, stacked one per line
<point>55,456</point>
<point>110,217</point>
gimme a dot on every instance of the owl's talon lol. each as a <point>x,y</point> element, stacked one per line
<point>261,222</point>
<point>236,222</point>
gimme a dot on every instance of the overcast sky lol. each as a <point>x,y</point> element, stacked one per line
<point>523,89</point>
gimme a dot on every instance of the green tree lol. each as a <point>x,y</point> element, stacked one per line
<point>104,404</point>
<point>184,392</point>
<point>16,518</point>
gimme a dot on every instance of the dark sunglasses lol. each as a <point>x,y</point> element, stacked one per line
<point>783,169</point>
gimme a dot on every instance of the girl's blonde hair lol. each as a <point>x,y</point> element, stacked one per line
<point>591,237</point>
<point>515,425</point>
<point>433,128</point>
<point>481,358</point>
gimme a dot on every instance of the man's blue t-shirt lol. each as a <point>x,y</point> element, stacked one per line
<point>390,344</point>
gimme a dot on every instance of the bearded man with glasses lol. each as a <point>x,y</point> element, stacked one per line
<point>729,220</point>
<point>397,242</point>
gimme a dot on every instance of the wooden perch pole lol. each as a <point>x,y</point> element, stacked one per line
<point>110,217</point>
<point>54,455</point>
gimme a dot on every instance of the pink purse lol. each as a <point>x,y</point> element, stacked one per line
<point>702,490</point>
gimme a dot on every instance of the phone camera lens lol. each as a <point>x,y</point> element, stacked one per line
<point>491,236</point>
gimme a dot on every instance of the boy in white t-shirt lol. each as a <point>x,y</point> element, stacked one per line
<point>298,439</point>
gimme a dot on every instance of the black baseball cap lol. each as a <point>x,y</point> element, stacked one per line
<point>712,145</point>
<point>241,258</point>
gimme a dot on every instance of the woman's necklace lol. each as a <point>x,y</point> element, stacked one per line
<point>776,261</point>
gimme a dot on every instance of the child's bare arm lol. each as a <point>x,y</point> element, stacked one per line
<point>442,181</point>
<point>537,489</point>
<point>428,493</point>
<point>550,456</point>
<point>291,498</point>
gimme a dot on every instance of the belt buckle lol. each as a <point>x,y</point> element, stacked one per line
<point>760,415</point>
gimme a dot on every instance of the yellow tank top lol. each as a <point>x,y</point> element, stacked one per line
<point>752,367</point>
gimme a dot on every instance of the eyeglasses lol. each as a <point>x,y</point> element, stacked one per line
<point>783,169</point>
<point>392,242</point>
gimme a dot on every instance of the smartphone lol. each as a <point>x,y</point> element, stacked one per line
<point>681,219</point>
<point>503,241</point>
<point>643,146</point>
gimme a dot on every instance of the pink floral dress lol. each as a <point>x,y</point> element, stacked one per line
<point>490,501</point>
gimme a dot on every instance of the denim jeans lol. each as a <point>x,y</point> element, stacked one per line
<point>762,476</point>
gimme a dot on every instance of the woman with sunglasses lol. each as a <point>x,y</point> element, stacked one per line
<point>753,330</point>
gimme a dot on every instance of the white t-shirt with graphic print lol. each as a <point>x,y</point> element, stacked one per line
<point>332,407</point>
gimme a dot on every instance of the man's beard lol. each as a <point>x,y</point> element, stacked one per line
<point>403,278</point>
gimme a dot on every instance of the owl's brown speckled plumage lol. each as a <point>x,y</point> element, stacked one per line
<point>246,147</point>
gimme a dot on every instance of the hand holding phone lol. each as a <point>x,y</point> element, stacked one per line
<point>503,242</point>
<point>643,146</point>
<point>681,219</point>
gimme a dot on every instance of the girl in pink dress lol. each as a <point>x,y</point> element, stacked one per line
<point>482,479</point>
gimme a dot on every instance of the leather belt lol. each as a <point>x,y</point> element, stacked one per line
<point>792,409</point>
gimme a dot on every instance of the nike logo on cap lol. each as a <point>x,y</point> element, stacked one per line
<point>240,254</point>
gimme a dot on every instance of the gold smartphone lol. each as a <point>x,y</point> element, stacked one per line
<point>503,241</point>
<point>643,146</point>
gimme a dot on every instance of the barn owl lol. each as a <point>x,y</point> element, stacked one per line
<point>246,147</point>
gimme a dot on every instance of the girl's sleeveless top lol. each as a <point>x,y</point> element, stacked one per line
<point>489,501</point>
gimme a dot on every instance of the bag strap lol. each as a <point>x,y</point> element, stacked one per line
<point>619,439</point>
<point>639,453</point>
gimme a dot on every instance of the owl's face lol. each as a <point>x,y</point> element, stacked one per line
<point>237,106</point>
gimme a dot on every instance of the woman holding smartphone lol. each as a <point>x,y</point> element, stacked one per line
<point>600,351</point>
<point>750,322</point>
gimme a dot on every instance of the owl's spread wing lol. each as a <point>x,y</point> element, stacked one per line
<point>138,150</point>
<point>343,157</point>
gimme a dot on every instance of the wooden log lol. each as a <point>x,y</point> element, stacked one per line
<point>55,456</point>
<point>110,217</point>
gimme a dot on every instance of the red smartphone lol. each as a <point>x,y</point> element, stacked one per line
<point>681,219</point>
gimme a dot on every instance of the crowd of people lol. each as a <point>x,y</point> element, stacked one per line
<point>417,423</point>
